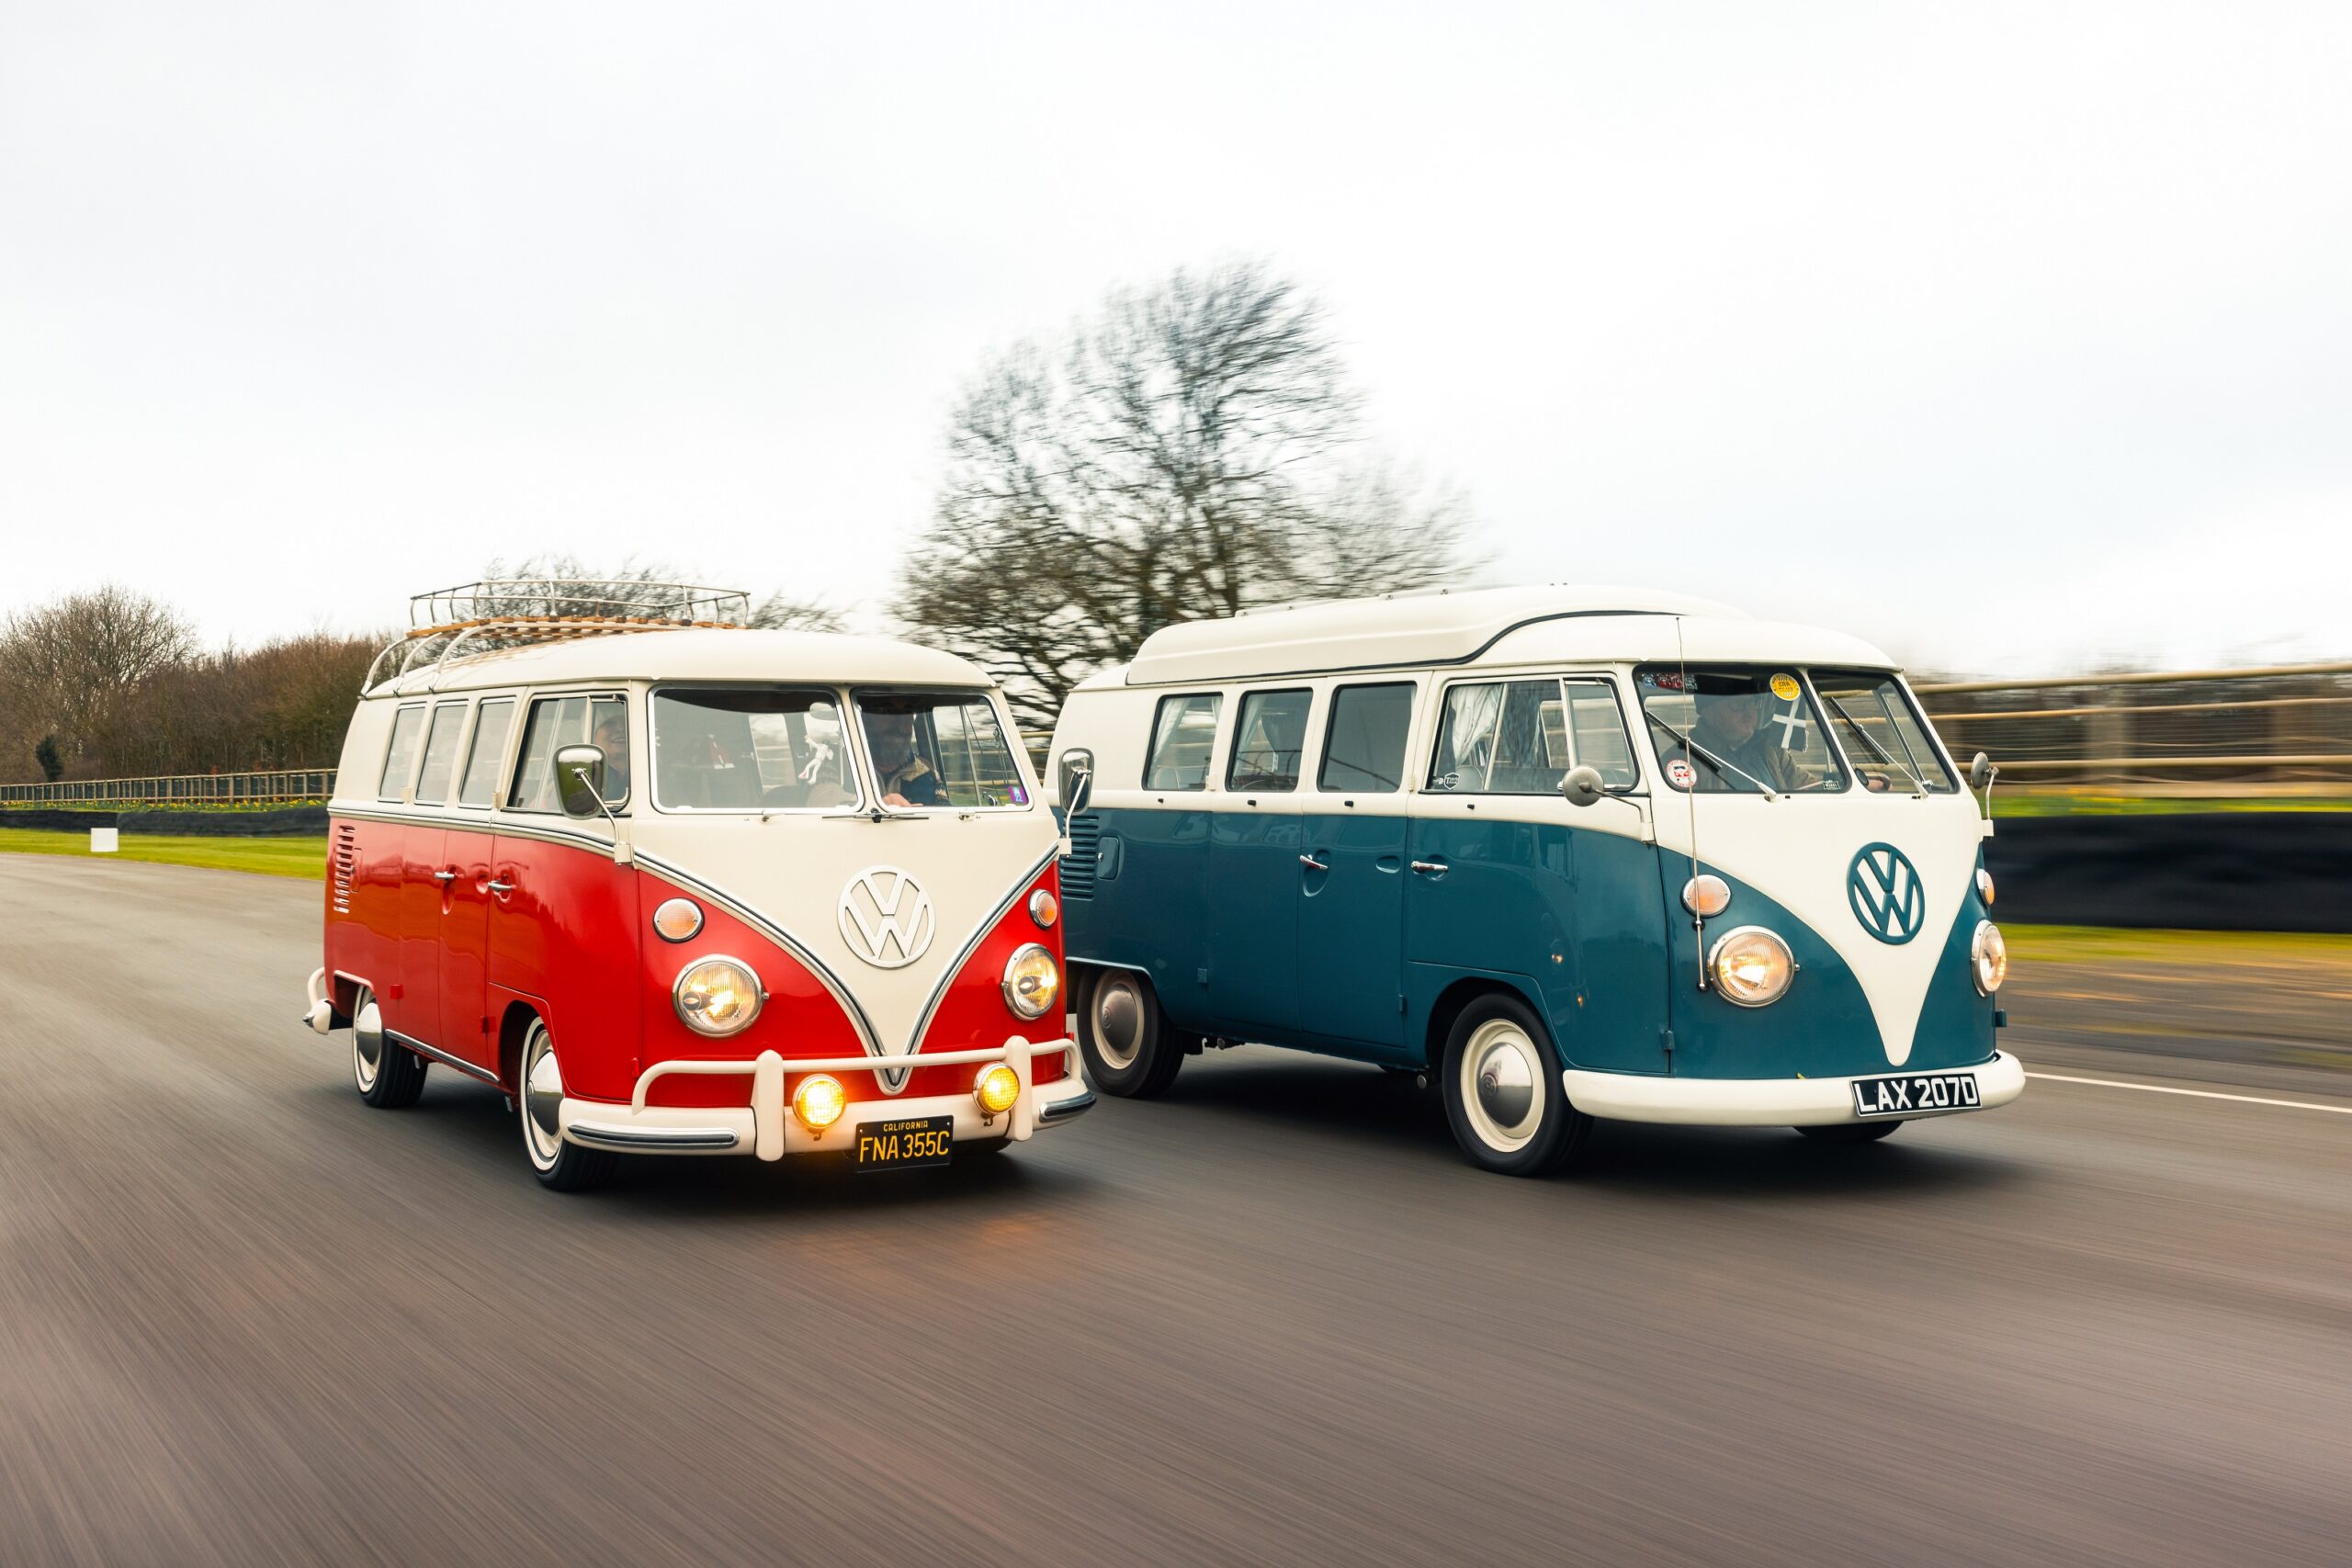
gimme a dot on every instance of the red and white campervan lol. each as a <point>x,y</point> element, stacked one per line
<point>680,887</point>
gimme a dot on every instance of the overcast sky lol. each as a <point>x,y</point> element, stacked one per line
<point>2013,338</point>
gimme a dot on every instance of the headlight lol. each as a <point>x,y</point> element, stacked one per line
<point>716,995</point>
<point>1032,981</point>
<point>1044,909</point>
<point>820,1101</point>
<point>1984,885</point>
<point>996,1088</point>
<point>1988,955</point>
<point>1751,966</point>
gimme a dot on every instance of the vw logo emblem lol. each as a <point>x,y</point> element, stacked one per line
<point>1883,887</point>
<point>886,917</point>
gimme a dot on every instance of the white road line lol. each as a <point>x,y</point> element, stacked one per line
<point>2198,1093</point>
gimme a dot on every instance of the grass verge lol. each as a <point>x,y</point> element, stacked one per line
<point>2103,944</point>
<point>305,857</point>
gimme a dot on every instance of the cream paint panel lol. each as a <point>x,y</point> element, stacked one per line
<point>793,869</point>
<point>1797,850</point>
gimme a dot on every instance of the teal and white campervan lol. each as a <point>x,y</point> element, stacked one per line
<point>1577,852</point>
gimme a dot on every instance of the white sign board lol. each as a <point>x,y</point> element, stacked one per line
<point>105,841</point>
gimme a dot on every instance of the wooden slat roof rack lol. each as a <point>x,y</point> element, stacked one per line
<point>498,614</point>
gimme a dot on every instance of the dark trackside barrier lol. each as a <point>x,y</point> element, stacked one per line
<point>286,822</point>
<point>2274,871</point>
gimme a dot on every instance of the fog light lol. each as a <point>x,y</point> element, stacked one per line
<point>1988,956</point>
<point>820,1101</point>
<point>996,1088</point>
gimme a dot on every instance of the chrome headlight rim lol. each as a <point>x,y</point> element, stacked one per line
<point>1988,936</point>
<point>1029,1007</point>
<point>1731,993</point>
<point>693,1017</point>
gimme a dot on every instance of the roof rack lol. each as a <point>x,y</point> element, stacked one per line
<point>499,614</point>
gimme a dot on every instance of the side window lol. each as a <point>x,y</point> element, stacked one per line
<point>400,760</point>
<point>1365,750</point>
<point>1267,741</point>
<point>1597,733</point>
<point>487,752</point>
<point>440,753</point>
<point>554,722</point>
<point>1183,731</point>
<point>1503,737</point>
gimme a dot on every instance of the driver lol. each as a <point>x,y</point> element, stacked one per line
<point>906,778</point>
<point>1727,728</point>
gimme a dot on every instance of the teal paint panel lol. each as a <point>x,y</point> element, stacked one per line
<point>1351,930</point>
<point>1956,1022</point>
<point>1253,879</point>
<point>1154,915</point>
<point>1575,912</point>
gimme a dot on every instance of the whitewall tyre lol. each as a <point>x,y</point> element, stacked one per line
<point>389,1076</point>
<point>538,1099</point>
<point>1503,1097</point>
<point>1131,1049</point>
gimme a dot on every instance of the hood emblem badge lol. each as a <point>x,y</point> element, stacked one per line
<point>887,918</point>
<point>1882,886</point>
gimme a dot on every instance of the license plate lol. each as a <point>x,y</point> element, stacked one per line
<point>1916,1092</point>
<point>905,1145</point>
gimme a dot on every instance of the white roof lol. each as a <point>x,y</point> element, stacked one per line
<point>1501,625</point>
<point>826,658</point>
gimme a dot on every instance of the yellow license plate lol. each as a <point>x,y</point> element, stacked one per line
<point>905,1145</point>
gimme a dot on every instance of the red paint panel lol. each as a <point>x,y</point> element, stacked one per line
<point>465,947</point>
<point>414,1009</point>
<point>800,1018</point>
<point>567,934</point>
<point>973,1013</point>
<point>365,939</point>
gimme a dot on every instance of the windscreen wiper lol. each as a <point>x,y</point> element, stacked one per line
<point>1708,757</point>
<point>1854,727</point>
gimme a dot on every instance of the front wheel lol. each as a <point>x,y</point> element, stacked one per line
<point>557,1162</point>
<point>1503,1095</point>
<point>1850,1132</point>
<point>1130,1048</point>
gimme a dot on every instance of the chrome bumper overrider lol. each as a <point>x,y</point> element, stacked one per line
<point>765,1126</point>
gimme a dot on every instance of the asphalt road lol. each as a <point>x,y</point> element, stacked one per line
<point>244,1319</point>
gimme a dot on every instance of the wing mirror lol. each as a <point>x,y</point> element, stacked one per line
<point>1980,771</point>
<point>1582,786</point>
<point>580,780</point>
<point>1077,782</point>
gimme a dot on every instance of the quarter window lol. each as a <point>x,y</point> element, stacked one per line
<point>1267,742</point>
<point>558,722</point>
<point>1364,751</point>
<point>1183,731</point>
<point>400,760</point>
<point>440,753</point>
<point>489,749</point>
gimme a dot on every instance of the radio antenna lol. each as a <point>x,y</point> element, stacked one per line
<point>1691,800</point>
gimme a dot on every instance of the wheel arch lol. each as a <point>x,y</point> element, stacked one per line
<point>1456,998</point>
<point>514,1027</point>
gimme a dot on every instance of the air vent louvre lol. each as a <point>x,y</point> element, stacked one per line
<point>1085,850</point>
<point>345,863</point>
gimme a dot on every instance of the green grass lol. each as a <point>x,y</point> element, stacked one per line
<point>2069,803</point>
<point>305,857</point>
<point>2097,945</point>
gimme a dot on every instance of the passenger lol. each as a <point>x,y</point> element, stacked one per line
<point>612,738</point>
<point>906,778</point>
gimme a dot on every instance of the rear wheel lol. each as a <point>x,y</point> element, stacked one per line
<point>390,1076</point>
<point>557,1162</point>
<point>1850,1132</point>
<point>1503,1096</point>
<point>1130,1048</point>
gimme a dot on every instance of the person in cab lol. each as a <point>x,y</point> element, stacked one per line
<point>900,767</point>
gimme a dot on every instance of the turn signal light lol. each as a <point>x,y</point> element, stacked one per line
<point>820,1101</point>
<point>996,1088</point>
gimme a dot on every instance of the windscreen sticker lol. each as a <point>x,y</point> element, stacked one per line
<point>1784,686</point>
<point>1679,773</point>
<point>1792,728</point>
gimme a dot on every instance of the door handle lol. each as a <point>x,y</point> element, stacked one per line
<point>501,889</point>
<point>1312,863</point>
<point>1430,867</point>
<point>445,876</point>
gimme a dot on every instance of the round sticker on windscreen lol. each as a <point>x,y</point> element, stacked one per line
<point>1785,688</point>
<point>1679,773</point>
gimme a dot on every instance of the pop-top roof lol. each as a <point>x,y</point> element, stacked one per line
<point>1393,630</point>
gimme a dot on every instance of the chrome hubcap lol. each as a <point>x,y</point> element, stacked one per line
<point>542,1098</point>
<point>1503,1084</point>
<point>367,1042</point>
<point>1118,1021</point>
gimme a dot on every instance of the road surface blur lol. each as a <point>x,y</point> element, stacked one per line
<point>1273,1317</point>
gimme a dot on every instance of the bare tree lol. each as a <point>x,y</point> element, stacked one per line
<point>563,584</point>
<point>70,667</point>
<point>1184,454</point>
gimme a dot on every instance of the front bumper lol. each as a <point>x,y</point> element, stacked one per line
<point>765,1126</point>
<point>1760,1103</point>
